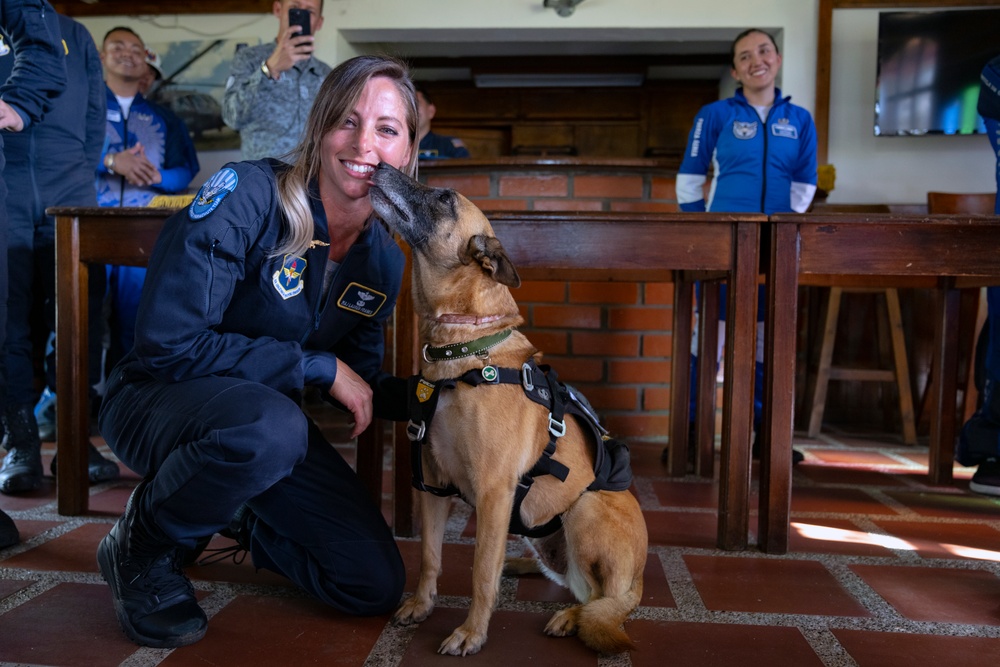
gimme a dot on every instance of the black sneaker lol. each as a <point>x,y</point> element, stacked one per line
<point>987,478</point>
<point>22,467</point>
<point>8,531</point>
<point>154,601</point>
<point>99,469</point>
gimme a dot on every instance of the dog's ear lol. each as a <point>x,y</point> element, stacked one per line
<point>493,258</point>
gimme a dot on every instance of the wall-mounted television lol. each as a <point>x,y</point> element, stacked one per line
<point>928,70</point>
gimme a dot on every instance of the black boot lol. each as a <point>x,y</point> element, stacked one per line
<point>99,469</point>
<point>22,467</point>
<point>8,531</point>
<point>154,601</point>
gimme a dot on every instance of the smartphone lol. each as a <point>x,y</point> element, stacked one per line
<point>298,16</point>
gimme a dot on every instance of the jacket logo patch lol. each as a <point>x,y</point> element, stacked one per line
<point>212,193</point>
<point>784,128</point>
<point>742,130</point>
<point>288,279</point>
<point>362,300</point>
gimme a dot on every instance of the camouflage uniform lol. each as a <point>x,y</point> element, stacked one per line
<point>269,115</point>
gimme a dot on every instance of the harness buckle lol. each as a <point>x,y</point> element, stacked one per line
<point>558,429</point>
<point>527,375</point>
<point>415,432</point>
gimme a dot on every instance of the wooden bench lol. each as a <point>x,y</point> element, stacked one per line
<point>123,236</point>
<point>676,247</point>
<point>947,252</point>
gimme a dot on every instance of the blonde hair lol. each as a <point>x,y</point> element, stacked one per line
<point>335,101</point>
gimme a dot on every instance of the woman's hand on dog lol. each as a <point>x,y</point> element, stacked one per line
<point>354,394</point>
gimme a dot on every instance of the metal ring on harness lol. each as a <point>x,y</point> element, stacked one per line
<point>415,432</point>
<point>558,429</point>
<point>423,353</point>
<point>527,375</point>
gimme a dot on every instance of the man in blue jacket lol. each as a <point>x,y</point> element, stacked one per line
<point>145,154</point>
<point>74,131</point>
<point>25,98</point>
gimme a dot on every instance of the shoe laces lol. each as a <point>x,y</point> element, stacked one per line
<point>234,551</point>
<point>162,576</point>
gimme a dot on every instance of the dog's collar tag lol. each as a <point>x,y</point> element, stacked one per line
<point>490,373</point>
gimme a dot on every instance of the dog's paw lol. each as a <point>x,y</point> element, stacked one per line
<point>517,566</point>
<point>462,642</point>
<point>563,623</point>
<point>413,610</point>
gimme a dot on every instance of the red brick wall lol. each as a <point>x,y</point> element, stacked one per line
<point>611,340</point>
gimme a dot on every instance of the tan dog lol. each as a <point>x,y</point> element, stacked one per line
<point>483,439</point>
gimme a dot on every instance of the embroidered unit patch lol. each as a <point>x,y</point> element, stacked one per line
<point>288,279</point>
<point>212,193</point>
<point>362,300</point>
<point>743,130</point>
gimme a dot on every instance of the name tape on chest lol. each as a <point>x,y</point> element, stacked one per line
<point>784,128</point>
<point>362,300</point>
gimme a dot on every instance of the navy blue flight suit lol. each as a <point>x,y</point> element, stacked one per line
<point>39,77</point>
<point>206,404</point>
<point>51,163</point>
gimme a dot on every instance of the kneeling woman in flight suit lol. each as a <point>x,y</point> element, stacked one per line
<point>276,277</point>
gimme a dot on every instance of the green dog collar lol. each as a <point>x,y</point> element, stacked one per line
<point>477,347</point>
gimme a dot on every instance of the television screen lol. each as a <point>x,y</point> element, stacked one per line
<point>928,70</point>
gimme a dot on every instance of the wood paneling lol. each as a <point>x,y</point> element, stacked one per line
<point>595,122</point>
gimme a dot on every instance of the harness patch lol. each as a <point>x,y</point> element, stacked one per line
<point>288,279</point>
<point>212,193</point>
<point>424,390</point>
<point>744,130</point>
<point>362,300</point>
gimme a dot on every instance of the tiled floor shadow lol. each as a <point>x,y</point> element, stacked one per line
<point>883,569</point>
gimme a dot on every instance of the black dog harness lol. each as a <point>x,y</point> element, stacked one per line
<point>541,385</point>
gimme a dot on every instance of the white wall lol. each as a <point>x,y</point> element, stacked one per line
<point>895,170</point>
<point>889,169</point>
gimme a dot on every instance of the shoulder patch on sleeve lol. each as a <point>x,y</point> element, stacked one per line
<point>213,192</point>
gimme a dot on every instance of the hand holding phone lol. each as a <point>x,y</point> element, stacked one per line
<point>300,17</point>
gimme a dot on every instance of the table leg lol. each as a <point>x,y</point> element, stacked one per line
<point>737,416</point>
<point>779,393</point>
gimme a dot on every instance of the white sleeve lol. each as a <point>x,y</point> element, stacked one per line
<point>802,196</point>
<point>690,188</point>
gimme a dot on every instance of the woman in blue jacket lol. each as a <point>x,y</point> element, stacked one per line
<point>761,149</point>
<point>278,276</point>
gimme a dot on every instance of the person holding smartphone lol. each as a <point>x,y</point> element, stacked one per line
<point>271,86</point>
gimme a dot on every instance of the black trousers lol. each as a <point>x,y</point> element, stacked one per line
<point>211,444</point>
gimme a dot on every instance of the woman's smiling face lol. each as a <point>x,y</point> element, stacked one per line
<point>756,61</point>
<point>375,131</point>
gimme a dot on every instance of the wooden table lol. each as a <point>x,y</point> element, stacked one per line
<point>650,247</point>
<point>943,251</point>
<point>123,236</point>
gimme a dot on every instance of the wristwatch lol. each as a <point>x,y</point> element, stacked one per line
<point>266,70</point>
<point>109,163</point>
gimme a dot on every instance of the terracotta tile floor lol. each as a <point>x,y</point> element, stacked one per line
<point>883,570</point>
